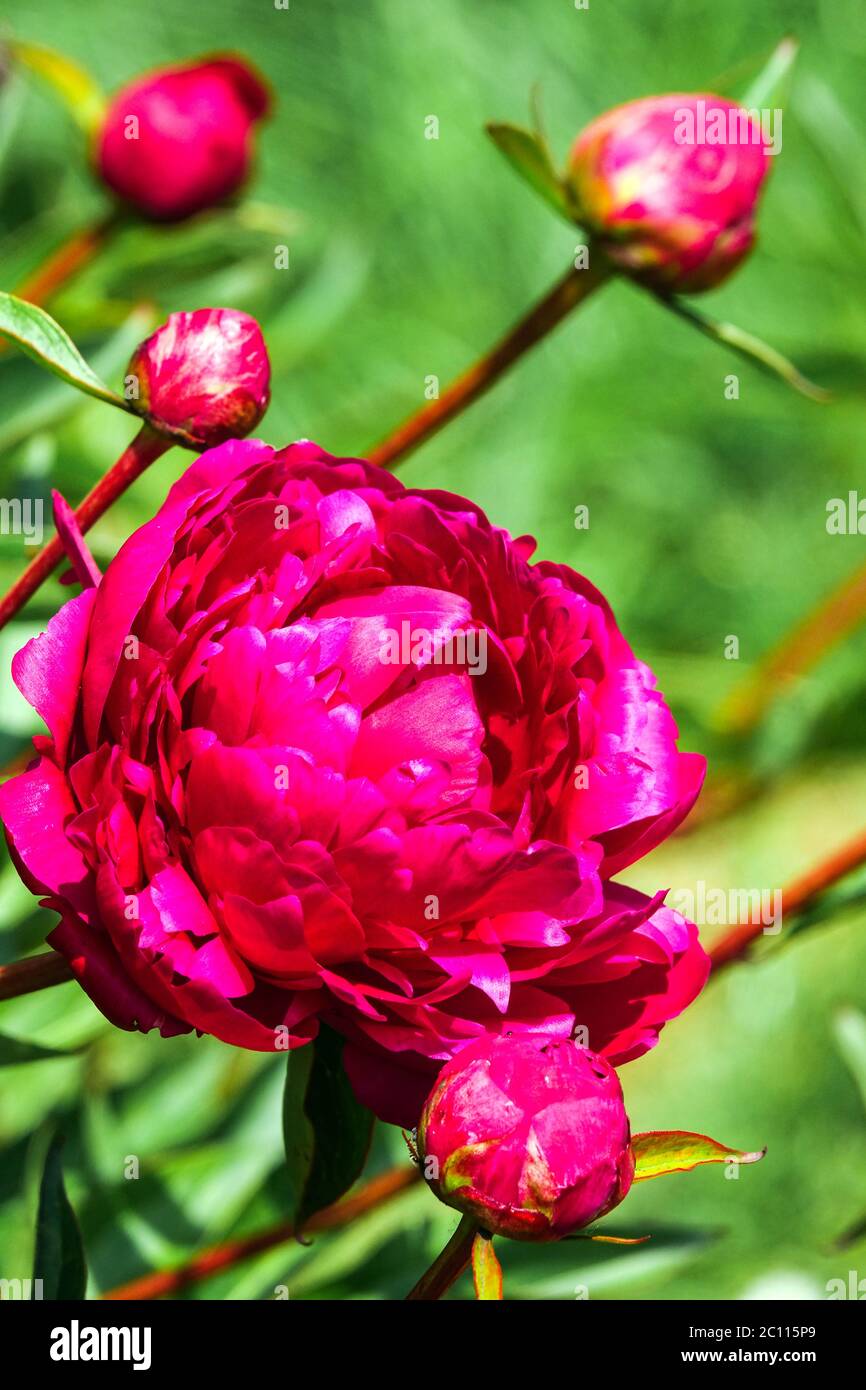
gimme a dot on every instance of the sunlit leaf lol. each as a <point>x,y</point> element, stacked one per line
<point>677,1151</point>
<point>527,153</point>
<point>486,1269</point>
<point>37,334</point>
<point>849,1027</point>
<point>80,93</point>
<point>769,88</point>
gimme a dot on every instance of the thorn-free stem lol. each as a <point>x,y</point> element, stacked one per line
<point>449,1265</point>
<point>75,253</point>
<point>573,289</point>
<point>144,449</point>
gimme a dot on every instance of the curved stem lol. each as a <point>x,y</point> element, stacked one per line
<point>799,895</point>
<point>831,620</point>
<point>36,972</point>
<point>567,293</point>
<point>449,1265</point>
<point>171,1281</point>
<point>67,260</point>
<point>147,446</point>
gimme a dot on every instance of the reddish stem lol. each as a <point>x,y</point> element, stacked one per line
<point>570,291</point>
<point>37,972</point>
<point>832,619</point>
<point>171,1281</point>
<point>67,260</point>
<point>147,446</point>
<point>448,1266</point>
<point>795,899</point>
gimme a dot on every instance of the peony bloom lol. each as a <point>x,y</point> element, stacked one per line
<point>205,375</point>
<point>529,1135</point>
<point>669,186</point>
<point>179,140</point>
<point>326,747</point>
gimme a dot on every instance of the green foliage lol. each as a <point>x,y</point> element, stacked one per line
<point>35,332</point>
<point>327,1133</point>
<point>59,1256</point>
<point>407,258</point>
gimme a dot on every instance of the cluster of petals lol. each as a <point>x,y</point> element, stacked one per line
<point>281,787</point>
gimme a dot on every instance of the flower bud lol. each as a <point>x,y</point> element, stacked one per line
<point>204,376</point>
<point>529,1135</point>
<point>669,186</point>
<point>178,140</point>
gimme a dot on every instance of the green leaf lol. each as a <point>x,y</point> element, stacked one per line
<point>486,1269</point>
<point>849,1027</point>
<point>762,80</point>
<point>80,93</point>
<point>341,1127</point>
<point>297,1131</point>
<point>609,1240</point>
<point>677,1151</point>
<point>747,345</point>
<point>13,1052</point>
<point>45,408</point>
<point>527,152</point>
<point>327,1133</point>
<point>37,334</point>
<point>769,89</point>
<point>59,1258</point>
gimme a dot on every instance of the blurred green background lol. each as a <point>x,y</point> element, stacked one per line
<point>707,519</point>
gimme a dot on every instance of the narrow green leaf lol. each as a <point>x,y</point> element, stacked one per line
<point>849,1027</point>
<point>13,1052</point>
<point>327,1133</point>
<point>527,153</point>
<point>677,1151</point>
<point>37,334</point>
<point>609,1240</point>
<point>769,89</point>
<point>342,1127</point>
<point>297,1130</point>
<point>59,1257</point>
<point>80,93</point>
<point>760,80</point>
<point>747,345</point>
<point>486,1269</point>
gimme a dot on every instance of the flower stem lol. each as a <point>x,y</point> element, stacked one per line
<point>799,895</point>
<point>831,620</point>
<point>145,447</point>
<point>67,260</point>
<point>567,293</point>
<point>36,972</point>
<point>449,1265</point>
<point>219,1257</point>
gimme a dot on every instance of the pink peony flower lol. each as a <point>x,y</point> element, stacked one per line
<point>205,375</point>
<point>326,747</point>
<point>529,1135</point>
<point>179,140</point>
<point>669,186</point>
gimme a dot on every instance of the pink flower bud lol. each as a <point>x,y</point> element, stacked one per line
<point>669,186</point>
<point>204,375</point>
<point>179,140</point>
<point>529,1135</point>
